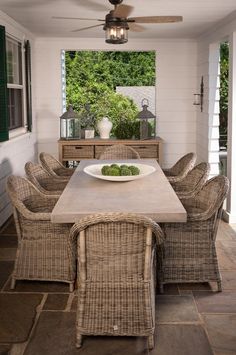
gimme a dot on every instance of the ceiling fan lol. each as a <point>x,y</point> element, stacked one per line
<point>117,22</point>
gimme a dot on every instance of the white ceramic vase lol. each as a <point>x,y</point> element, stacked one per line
<point>104,128</point>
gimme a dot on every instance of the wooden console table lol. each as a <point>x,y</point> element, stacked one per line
<point>76,150</point>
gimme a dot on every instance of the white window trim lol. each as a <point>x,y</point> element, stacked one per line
<point>24,129</point>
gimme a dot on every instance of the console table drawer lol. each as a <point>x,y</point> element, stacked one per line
<point>78,152</point>
<point>147,151</point>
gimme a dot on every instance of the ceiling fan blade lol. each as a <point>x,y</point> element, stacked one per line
<point>136,28</point>
<point>156,19</point>
<point>76,18</point>
<point>123,11</point>
<point>87,28</point>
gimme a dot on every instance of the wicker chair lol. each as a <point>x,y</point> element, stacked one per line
<point>193,181</point>
<point>116,295</point>
<point>54,167</point>
<point>189,248</point>
<point>45,251</point>
<point>181,168</point>
<point>119,151</point>
<point>44,182</point>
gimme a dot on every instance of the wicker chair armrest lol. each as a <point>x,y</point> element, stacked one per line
<point>60,179</point>
<point>191,204</point>
<point>174,179</point>
<point>53,194</point>
<point>186,195</point>
<point>33,216</point>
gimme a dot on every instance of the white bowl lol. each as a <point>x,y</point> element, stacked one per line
<point>95,171</point>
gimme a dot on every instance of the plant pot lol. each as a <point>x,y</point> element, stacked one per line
<point>104,128</point>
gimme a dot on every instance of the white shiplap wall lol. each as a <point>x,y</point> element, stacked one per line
<point>15,152</point>
<point>208,120</point>
<point>176,71</point>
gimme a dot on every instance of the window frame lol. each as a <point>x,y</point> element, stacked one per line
<point>14,132</point>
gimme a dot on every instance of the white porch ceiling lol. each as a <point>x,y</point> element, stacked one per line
<point>36,15</point>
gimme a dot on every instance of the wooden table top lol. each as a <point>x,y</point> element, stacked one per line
<point>151,196</point>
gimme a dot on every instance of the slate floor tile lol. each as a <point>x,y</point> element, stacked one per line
<point>229,280</point>
<point>8,241</point>
<point>56,302</point>
<point>17,313</point>
<point>55,335</point>
<point>176,309</point>
<point>226,232</point>
<point>7,254</point>
<point>224,258</point>
<point>38,286</point>
<point>221,329</point>
<point>6,268</point>
<point>181,340</point>
<point>215,302</point>
<point>170,289</point>
<point>9,228</point>
<point>194,286</point>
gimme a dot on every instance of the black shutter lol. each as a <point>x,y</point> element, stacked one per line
<point>28,84</point>
<point>3,88</point>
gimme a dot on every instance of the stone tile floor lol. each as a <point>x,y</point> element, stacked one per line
<point>38,318</point>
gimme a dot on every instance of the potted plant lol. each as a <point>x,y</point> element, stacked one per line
<point>87,120</point>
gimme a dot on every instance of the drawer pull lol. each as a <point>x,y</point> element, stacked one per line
<point>144,147</point>
<point>78,147</point>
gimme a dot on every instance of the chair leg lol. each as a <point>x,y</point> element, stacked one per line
<point>150,342</point>
<point>219,286</point>
<point>13,283</point>
<point>78,340</point>
<point>72,286</point>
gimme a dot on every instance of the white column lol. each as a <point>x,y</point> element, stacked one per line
<point>230,213</point>
<point>213,107</point>
<point>63,79</point>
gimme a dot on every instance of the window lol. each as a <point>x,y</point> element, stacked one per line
<point>15,88</point>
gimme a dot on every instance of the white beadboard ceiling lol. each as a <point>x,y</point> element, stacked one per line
<point>198,16</point>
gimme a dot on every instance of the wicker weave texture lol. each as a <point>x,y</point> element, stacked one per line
<point>193,181</point>
<point>116,278</point>
<point>44,182</point>
<point>119,151</point>
<point>54,167</point>
<point>181,168</point>
<point>189,248</point>
<point>45,250</point>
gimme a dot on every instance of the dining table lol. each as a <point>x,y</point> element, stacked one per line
<point>151,195</point>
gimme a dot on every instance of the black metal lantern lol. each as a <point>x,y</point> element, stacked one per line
<point>116,31</point>
<point>116,28</point>
<point>147,121</point>
<point>70,124</point>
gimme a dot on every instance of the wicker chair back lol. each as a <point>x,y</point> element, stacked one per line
<point>181,168</point>
<point>53,166</point>
<point>44,182</point>
<point>116,254</point>
<point>119,151</point>
<point>193,181</point>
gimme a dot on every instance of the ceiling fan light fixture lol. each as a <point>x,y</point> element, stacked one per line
<point>116,32</point>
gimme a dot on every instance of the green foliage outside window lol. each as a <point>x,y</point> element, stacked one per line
<point>92,77</point>
<point>224,76</point>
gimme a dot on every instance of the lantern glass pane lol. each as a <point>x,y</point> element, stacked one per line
<point>70,128</point>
